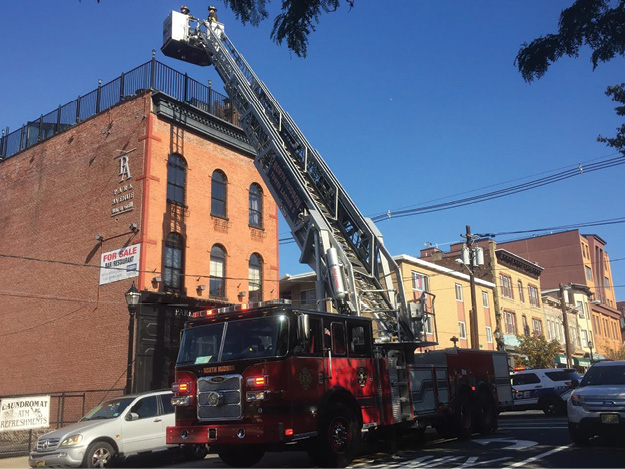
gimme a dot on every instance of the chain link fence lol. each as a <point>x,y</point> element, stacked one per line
<point>65,407</point>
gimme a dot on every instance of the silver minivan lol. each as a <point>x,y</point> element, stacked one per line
<point>114,429</point>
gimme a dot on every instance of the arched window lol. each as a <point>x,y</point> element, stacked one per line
<point>172,262</point>
<point>218,271</point>
<point>176,179</point>
<point>219,191</point>
<point>256,206</point>
<point>256,278</point>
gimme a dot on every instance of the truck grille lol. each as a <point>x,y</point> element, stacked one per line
<point>47,444</point>
<point>219,397</point>
<point>604,404</point>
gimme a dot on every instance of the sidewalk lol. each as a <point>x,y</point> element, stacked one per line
<point>14,463</point>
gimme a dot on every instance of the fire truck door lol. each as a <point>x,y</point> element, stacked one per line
<point>308,378</point>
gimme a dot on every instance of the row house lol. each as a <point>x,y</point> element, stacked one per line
<point>517,305</point>
<point>569,259</point>
<point>580,334</point>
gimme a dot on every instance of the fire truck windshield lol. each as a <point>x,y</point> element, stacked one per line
<point>245,339</point>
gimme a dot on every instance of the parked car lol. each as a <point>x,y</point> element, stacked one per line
<point>113,429</point>
<point>544,389</point>
<point>597,406</point>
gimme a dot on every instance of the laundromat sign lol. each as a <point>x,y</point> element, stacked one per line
<point>120,264</point>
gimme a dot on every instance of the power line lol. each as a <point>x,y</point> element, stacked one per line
<point>569,173</point>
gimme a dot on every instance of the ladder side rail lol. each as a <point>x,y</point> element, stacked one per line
<point>235,78</point>
<point>236,73</point>
<point>283,119</point>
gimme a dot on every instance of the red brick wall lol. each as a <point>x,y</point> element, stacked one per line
<point>59,329</point>
<point>560,254</point>
<point>201,230</point>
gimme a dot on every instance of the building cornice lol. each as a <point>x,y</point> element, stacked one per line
<point>202,122</point>
<point>517,262</point>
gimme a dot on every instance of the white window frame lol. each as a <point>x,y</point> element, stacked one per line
<point>417,278</point>
<point>489,335</point>
<point>485,301</point>
<point>458,292</point>
<point>462,329</point>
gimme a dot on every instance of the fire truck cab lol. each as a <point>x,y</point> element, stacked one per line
<point>251,378</point>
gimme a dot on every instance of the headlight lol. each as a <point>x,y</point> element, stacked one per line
<point>71,440</point>
<point>577,400</point>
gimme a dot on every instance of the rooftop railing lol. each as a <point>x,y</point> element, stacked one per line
<point>152,75</point>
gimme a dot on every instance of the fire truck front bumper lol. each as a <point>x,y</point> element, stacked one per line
<point>233,434</point>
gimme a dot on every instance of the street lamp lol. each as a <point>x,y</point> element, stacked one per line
<point>133,296</point>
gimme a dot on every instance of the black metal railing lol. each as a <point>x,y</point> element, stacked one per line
<point>152,75</point>
<point>66,407</point>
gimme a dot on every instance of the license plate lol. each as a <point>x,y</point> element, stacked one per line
<point>609,418</point>
<point>41,464</point>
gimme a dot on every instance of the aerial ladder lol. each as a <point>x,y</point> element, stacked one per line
<point>354,269</point>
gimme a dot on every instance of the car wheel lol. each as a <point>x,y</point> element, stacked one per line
<point>99,454</point>
<point>552,405</point>
<point>579,437</point>
<point>242,456</point>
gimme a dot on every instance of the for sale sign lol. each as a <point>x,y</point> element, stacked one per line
<point>23,413</point>
<point>120,264</point>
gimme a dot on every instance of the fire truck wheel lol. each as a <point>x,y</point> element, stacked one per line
<point>487,414</point>
<point>195,452</point>
<point>242,456</point>
<point>339,436</point>
<point>99,454</point>
<point>463,416</point>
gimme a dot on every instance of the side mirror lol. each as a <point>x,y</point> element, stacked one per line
<point>130,416</point>
<point>575,383</point>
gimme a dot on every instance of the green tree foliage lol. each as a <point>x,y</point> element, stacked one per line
<point>539,353</point>
<point>598,24</point>
<point>294,24</point>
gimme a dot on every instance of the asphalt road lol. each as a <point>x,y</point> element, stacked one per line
<point>523,440</point>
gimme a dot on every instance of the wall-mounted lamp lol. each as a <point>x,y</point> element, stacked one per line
<point>134,227</point>
<point>99,237</point>
<point>157,279</point>
<point>242,293</point>
<point>201,288</point>
<point>595,302</point>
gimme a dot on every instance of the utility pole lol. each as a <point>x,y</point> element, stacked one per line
<point>565,322</point>
<point>475,336</point>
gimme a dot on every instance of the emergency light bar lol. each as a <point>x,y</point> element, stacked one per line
<point>242,307</point>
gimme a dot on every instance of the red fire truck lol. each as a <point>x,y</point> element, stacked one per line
<point>267,376</point>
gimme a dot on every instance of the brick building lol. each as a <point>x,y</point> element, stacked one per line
<point>149,180</point>
<point>571,258</point>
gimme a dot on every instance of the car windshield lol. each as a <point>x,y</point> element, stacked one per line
<point>109,409</point>
<point>251,338</point>
<point>604,375</point>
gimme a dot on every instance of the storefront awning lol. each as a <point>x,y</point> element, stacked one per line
<point>561,359</point>
<point>583,362</point>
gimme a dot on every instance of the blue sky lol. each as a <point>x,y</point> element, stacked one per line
<point>407,101</point>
